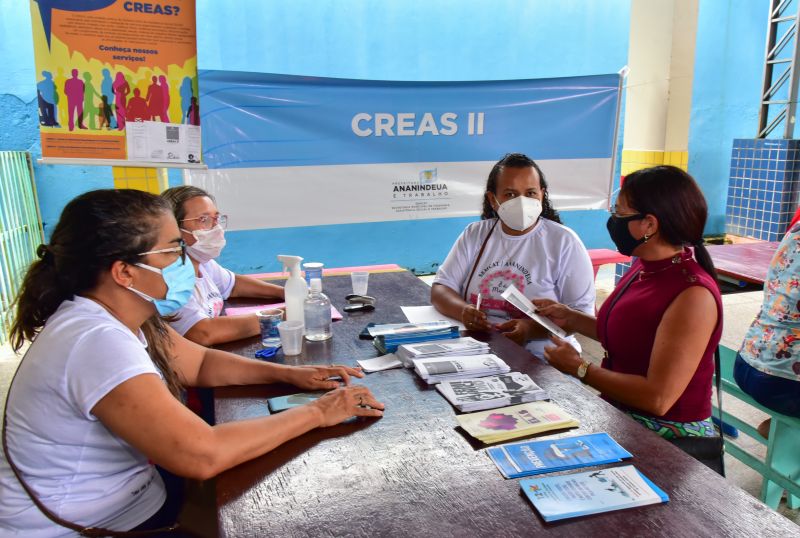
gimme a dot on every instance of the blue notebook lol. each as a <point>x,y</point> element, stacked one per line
<point>550,455</point>
<point>282,403</point>
<point>591,492</point>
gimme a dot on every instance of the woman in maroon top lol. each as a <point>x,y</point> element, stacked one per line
<point>663,321</point>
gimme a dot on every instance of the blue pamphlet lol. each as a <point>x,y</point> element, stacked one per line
<point>388,343</point>
<point>591,492</point>
<point>550,455</point>
<point>282,403</point>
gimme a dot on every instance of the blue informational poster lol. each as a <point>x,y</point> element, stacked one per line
<point>288,151</point>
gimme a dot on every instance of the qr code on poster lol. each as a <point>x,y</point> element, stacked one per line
<point>173,134</point>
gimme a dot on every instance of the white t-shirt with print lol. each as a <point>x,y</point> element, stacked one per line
<point>548,262</point>
<point>78,468</point>
<point>211,288</point>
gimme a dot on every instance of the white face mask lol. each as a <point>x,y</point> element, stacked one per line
<point>520,213</point>
<point>208,244</point>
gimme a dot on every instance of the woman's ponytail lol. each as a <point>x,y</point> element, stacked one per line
<point>39,297</point>
<point>704,259</point>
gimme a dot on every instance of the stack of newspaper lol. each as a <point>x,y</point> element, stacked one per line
<point>491,392</point>
<point>438,369</point>
<point>423,350</point>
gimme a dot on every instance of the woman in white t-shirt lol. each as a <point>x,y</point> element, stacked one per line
<point>203,229</point>
<point>95,398</point>
<point>519,240</point>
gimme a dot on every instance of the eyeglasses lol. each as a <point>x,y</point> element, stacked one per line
<point>627,216</point>
<point>207,221</point>
<point>618,215</point>
<point>180,249</point>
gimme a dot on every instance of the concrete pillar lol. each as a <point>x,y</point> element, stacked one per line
<point>659,85</point>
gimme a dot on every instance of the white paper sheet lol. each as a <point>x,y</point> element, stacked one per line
<point>163,142</point>
<point>421,314</point>
<point>384,362</point>
<point>515,297</point>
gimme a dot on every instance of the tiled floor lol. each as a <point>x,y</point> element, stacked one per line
<point>739,311</point>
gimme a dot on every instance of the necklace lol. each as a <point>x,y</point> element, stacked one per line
<point>676,260</point>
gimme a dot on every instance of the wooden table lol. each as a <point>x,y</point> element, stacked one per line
<point>743,262</point>
<point>412,473</point>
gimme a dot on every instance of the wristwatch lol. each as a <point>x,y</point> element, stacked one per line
<point>583,369</point>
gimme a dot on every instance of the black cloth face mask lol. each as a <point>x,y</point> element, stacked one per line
<point>621,236</point>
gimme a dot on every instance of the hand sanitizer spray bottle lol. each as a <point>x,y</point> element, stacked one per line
<point>295,288</point>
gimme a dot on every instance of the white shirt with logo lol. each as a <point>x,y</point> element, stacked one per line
<point>548,262</point>
<point>211,288</point>
<point>79,469</point>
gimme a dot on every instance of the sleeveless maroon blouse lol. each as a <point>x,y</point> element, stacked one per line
<point>628,331</point>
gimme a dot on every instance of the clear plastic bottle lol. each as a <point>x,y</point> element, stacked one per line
<point>317,309</point>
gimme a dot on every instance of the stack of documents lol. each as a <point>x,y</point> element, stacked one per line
<point>388,337</point>
<point>457,346</point>
<point>490,392</point>
<point>552,455</point>
<point>515,421</point>
<point>591,492</point>
<point>438,369</point>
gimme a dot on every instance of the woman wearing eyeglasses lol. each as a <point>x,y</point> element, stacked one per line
<point>663,321</point>
<point>94,402</point>
<point>203,229</point>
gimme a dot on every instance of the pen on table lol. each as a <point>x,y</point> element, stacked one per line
<point>478,306</point>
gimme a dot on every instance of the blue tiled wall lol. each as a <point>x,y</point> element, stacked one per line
<point>764,187</point>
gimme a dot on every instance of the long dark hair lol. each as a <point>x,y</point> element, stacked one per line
<point>95,230</point>
<point>517,160</point>
<point>178,196</point>
<point>673,197</point>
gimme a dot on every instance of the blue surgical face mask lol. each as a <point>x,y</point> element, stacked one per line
<point>179,277</point>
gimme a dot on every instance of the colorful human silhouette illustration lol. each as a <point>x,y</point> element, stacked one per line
<point>138,110</point>
<point>60,80</point>
<point>162,81</point>
<point>121,90</point>
<point>193,115</point>
<point>74,89</point>
<point>105,115</point>
<point>155,99</point>
<point>89,93</point>
<point>186,93</point>
<point>47,99</point>
<point>107,89</point>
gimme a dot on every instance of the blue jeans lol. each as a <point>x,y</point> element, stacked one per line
<point>775,392</point>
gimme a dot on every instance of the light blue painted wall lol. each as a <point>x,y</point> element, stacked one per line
<point>729,59</point>
<point>399,40</point>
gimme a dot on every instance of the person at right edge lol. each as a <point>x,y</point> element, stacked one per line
<point>663,321</point>
<point>767,366</point>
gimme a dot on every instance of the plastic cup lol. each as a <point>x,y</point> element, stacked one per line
<point>291,337</point>
<point>269,319</point>
<point>312,270</point>
<point>360,281</point>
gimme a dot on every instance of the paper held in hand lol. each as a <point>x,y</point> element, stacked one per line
<point>515,297</point>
